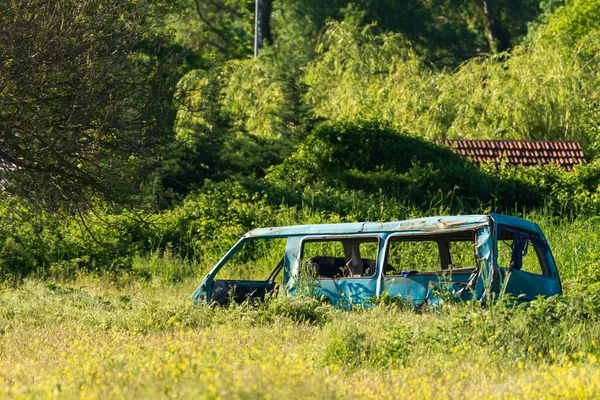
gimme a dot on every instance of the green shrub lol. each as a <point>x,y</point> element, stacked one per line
<point>371,157</point>
<point>16,259</point>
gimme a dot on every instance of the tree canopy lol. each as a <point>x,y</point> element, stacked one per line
<point>85,98</point>
<point>112,100</point>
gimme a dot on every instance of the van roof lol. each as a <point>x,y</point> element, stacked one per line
<point>419,225</point>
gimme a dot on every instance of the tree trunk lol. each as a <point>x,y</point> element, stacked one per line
<point>499,39</point>
<point>265,8</point>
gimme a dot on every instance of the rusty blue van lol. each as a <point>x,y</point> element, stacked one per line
<point>350,264</point>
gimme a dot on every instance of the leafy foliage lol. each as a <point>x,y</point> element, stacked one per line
<point>85,103</point>
<point>334,119</point>
<point>216,30</point>
<point>373,158</point>
<point>544,90</point>
<point>330,124</point>
<point>236,120</point>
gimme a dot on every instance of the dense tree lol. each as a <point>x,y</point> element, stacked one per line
<point>216,30</point>
<point>86,88</point>
<point>444,32</point>
<point>85,98</point>
<point>545,89</point>
<point>236,120</point>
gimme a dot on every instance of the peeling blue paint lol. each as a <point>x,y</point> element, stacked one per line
<point>480,282</point>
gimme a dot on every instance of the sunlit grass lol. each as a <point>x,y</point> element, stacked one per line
<point>95,338</point>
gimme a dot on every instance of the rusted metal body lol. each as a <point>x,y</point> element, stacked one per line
<point>483,236</point>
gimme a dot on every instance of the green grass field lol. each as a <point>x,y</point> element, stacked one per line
<point>96,339</point>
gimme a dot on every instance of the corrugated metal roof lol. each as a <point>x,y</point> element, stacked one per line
<point>519,152</point>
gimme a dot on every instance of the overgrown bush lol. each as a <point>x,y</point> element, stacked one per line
<point>375,159</point>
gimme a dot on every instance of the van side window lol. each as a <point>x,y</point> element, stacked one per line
<point>406,256</point>
<point>521,251</point>
<point>451,252</point>
<point>340,258</point>
<point>462,254</point>
<point>257,260</point>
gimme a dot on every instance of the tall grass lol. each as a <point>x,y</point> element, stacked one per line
<point>96,338</point>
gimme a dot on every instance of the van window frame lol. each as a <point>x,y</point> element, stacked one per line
<point>424,237</point>
<point>334,238</point>
<point>540,252</point>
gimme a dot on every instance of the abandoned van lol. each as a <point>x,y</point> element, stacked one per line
<point>349,264</point>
